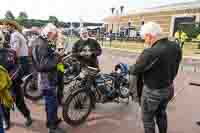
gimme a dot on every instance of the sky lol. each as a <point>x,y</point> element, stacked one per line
<point>74,10</point>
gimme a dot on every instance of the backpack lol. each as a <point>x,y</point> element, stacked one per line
<point>5,86</point>
<point>8,58</point>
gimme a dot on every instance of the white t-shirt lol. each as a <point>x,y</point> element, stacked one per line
<point>18,41</point>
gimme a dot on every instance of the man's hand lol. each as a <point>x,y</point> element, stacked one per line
<point>88,53</point>
<point>82,53</point>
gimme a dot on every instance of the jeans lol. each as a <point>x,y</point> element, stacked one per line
<point>51,107</point>
<point>1,120</point>
<point>48,82</point>
<point>154,104</point>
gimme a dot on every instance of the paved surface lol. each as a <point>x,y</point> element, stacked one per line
<point>121,118</point>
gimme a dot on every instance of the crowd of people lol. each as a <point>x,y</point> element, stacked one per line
<point>46,51</point>
<point>158,65</point>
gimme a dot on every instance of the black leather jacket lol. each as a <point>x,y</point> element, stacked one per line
<point>44,57</point>
<point>159,64</point>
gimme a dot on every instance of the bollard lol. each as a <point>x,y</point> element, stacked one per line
<point>181,68</point>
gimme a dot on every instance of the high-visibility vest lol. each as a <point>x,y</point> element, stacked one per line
<point>60,67</point>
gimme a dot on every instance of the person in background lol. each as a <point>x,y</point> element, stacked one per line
<point>86,50</point>
<point>181,37</point>
<point>18,44</point>
<point>2,37</point>
<point>5,97</point>
<point>198,39</point>
<point>5,35</point>
<point>60,49</point>
<point>158,64</point>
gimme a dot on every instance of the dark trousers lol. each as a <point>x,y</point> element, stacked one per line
<point>18,94</point>
<point>60,86</point>
<point>1,119</point>
<point>154,104</point>
<point>182,44</point>
<point>19,102</point>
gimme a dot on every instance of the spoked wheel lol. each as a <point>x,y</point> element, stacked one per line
<point>77,107</point>
<point>31,89</point>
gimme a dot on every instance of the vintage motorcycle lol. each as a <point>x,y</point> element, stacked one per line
<point>95,87</point>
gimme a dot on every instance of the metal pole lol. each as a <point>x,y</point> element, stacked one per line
<point>110,40</point>
<point>71,32</point>
<point>102,40</point>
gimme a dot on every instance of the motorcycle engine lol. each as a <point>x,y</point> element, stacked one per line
<point>124,92</point>
<point>124,88</point>
<point>104,88</point>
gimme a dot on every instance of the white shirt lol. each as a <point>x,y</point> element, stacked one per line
<point>18,41</point>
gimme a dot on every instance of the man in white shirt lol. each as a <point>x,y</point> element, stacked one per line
<point>18,43</point>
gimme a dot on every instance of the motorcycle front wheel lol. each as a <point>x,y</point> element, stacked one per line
<point>77,107</point>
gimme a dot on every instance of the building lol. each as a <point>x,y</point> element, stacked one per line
<point>168,16</point>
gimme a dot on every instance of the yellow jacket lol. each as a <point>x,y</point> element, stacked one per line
<point>5,86</point>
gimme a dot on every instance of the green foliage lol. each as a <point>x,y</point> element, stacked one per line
<point>9,15</point>
<point>53,19</point>
<point>23,15</point>
<point>198,37</point>
<point>192,30</point>
<point>23,20</point>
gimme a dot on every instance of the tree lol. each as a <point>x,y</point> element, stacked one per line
<point>53,19</point>
<point>9,15</point>
<point>23,15</point>
<point>112,10</point>
<point>122,10</point>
